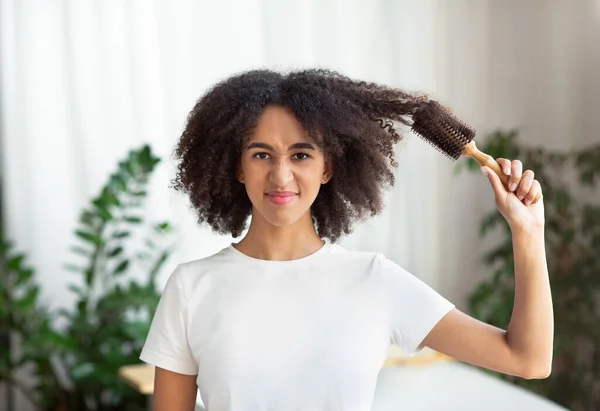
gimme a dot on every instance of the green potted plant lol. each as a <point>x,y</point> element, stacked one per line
<point>76,353</point>
<point>572,212</point>
<point>26,322</point>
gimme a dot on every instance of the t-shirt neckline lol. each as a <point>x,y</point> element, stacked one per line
<point>323,250</point>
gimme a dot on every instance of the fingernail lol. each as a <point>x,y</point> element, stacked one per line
<point>513,186</point>
<point>507,171</point>
<point>521,197</point>
<point>483,170</point>
<point>527,202</point>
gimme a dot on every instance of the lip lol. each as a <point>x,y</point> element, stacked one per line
<point>281,197</point>
<point>281,193</point>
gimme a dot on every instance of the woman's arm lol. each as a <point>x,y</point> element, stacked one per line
<point>531,329</point>
<point>525,348</point>
<point>174,391</point>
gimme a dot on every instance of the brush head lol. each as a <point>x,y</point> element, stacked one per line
<point>438,126</point>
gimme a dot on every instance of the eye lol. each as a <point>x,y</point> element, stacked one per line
<point>301,156</point>
<point>261,156</point>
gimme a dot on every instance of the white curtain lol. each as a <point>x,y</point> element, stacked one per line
<point>85,81</point>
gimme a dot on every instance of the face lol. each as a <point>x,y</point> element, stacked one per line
<point>282,168</point>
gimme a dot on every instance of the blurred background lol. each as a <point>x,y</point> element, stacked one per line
<point>95,94</point>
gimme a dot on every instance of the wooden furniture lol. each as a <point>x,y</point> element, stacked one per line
<point>140,377</point>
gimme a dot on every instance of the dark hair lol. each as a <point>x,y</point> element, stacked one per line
<point>352,121</point>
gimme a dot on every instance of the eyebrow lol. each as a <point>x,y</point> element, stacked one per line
<point>307,146</point>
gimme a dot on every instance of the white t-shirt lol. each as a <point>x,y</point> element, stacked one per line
<point>304,335</point>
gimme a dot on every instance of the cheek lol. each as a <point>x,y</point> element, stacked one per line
<point>255,180</point>
<point>252,171</point>
<point>310,180</point>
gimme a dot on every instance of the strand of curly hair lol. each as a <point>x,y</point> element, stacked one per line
<point>352,121</point>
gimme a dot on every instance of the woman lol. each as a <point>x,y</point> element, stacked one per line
<point>286,319</point>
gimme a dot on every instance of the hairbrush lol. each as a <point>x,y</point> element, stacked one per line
<point>438,126</point>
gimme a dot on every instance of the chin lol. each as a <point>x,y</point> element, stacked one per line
<point>281,220</point>
<point>282,217</point>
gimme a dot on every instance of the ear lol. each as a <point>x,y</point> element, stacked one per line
<point>328,170</point>
<point>238,173</point>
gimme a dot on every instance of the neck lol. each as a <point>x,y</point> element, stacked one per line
<point>268,242</point>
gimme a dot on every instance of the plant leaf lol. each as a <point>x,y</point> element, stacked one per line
<point>132,219</point>
<point>29,298</point>
<point>121,234</point>
<point>14,263</point>
<point>89,237</point>
<point>76,289</point>
<point>82,371</point>
<point>115,251</point>
<point>74,268</point>
<point>121,267</point>
<point>81,251</point>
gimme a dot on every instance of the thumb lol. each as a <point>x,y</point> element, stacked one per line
<point>495,181</point>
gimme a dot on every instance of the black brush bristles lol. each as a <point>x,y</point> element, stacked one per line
<point>439,127</point>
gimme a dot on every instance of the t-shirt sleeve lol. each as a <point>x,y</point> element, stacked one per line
<point>167,344</point>
<point>414,307</point>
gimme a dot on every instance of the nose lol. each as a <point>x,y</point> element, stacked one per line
<point>281,173</point>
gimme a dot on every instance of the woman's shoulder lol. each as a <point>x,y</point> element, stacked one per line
<point>208,261</point>
<point>194,271</point>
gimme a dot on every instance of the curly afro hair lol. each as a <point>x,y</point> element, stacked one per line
<point>352,121</point>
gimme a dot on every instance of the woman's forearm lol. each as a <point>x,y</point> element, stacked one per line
<point>531,331</point>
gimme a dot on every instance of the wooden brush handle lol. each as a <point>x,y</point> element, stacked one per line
<point>471,150</point>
